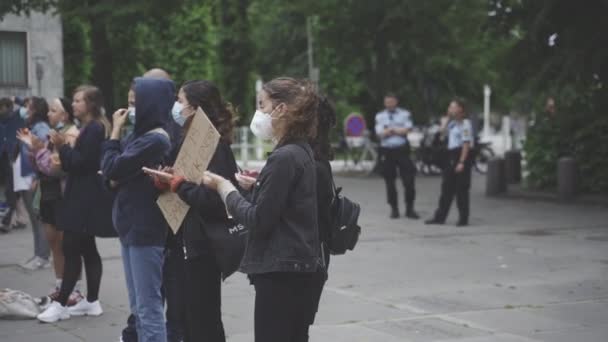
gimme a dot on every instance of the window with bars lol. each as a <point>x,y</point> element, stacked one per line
<point>13,59</point>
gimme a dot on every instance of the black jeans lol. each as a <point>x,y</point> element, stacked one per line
<point>285,305</point>
<point>173,290</point>
<point>203,289</point>
<point>455,185</point>
<point>398,159</point>
<point>78,247</point>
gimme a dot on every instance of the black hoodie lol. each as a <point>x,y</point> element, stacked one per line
<point>136,215</point>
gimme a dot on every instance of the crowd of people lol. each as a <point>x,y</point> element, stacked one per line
<point>77,172</point>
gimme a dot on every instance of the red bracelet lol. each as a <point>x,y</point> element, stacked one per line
<point>162,186</point>
<point>176,181</point>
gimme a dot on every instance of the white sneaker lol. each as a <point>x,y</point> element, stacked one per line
<point>27,262</point>
<point>84,308</point>
<point>55,312</point>
<point>36,263</point>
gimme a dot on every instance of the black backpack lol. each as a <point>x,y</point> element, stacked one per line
<point>344,230</point>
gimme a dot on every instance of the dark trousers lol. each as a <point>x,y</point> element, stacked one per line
<point>398,160</point>
<point>10,195</point>
<point>173,291</point>
<point>455,185</point>
<point>78,247</point>
<point>203,284</point>
<point>284,305</point>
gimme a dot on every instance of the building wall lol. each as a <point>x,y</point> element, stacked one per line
<point>45,45</point>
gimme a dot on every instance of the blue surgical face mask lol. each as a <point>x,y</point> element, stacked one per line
<point>59,125</point>
<point>23,113</point>
<point>131,113</point>
<point>176,112</point>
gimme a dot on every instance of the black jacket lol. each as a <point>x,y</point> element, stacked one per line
<point>205,204</point>
<point>86,206</point>
<point>281,214</point>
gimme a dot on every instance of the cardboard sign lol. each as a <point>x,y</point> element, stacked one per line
<point>192,161</point>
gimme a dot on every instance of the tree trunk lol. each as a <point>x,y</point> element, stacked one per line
<point>102,75</point>
<point>235,50</point>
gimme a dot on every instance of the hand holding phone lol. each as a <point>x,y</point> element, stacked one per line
<point>163,176</point>
<point>246,182</point>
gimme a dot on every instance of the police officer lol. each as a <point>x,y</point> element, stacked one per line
<point>392,126</point>
<point>457,170</point>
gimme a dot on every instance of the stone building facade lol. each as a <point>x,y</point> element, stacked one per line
<point>31,55</point>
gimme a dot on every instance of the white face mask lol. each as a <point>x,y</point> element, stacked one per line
<point>131,113</point>
<point>23,112</point>
<point>261,125</point>
<point>176,112</point>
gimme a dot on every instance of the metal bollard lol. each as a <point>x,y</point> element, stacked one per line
<point>496,182</point>
<point>566,178</point>
<point>513,166</point>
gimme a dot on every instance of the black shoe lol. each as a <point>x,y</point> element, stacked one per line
<point>462,223</point>
<point>394,213</point>
<point>412,215</point>
<point>433,221</point>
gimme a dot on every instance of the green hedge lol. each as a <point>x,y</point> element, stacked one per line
<point>583,137</point>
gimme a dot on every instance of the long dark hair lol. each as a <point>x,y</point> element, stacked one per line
<point>326,121</point>
<point>204,94</point>
<point>40,111</point>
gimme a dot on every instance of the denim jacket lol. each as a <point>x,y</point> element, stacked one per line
<point>281,214</point>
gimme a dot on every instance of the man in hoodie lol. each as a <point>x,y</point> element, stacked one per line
<point>140,223</point>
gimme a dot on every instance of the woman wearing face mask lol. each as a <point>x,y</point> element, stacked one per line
<point>283,249</point>
<point>140,224</point>
<point>52,183</point>
<point>26,181</point>
<point>85,210</point>
<point>457,171</point>
<point>202,281</point>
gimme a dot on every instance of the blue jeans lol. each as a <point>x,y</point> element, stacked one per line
<point>143,272</point>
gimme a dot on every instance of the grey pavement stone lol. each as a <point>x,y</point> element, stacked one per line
<point>524,271</point>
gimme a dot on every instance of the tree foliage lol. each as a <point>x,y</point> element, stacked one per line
<point>424,51</point>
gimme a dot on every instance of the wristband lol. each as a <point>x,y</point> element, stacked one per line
<point>176,182</point>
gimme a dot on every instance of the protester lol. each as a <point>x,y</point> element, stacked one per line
<point>85,210</point>
<point>321,146</point>
<point>457,171</point>
<point>10,123</point>
<point>392,126</point>
<point>173,272</point>
<point>282,255</point>
<point>202,283</point>
<point>140,223</point>
<point>52,184</point>
<point>25,180</point>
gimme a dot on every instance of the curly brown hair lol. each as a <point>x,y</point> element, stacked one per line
<point>300,97</point>
<point>204,94</point>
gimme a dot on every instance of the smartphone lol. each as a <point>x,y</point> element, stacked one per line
<point>161,174</point>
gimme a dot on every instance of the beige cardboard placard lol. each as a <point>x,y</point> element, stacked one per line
<point>192,161</point>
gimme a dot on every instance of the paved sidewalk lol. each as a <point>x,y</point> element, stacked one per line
<point>523,271</point>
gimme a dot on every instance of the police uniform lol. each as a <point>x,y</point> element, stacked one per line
<point>453,183</point>
<point>395,155</point>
